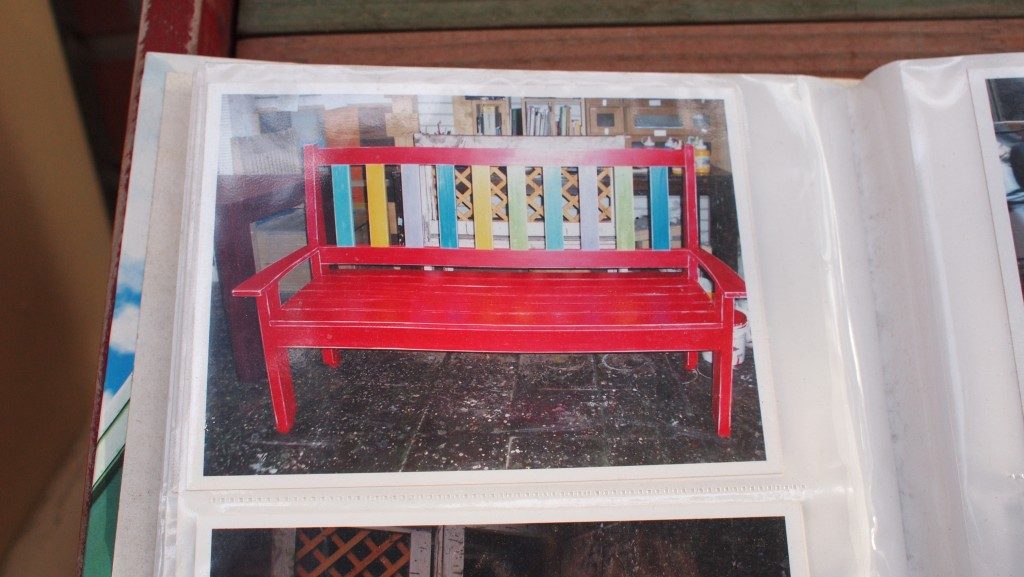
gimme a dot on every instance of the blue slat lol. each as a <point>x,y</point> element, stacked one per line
<point>344,227</point>
<point>660,231</point>
<point>446,205</point>
<point>553,201</point>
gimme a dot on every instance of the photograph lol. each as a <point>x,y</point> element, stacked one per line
<point>1006,102</point>
<point>735,547</point>
<point>432,282</point>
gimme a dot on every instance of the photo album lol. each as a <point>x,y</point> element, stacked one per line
<point>376,322</point>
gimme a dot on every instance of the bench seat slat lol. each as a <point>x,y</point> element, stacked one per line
<point>472,298</point>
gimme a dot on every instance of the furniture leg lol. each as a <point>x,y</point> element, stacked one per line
<point>721,393</point>
<point>692,357</point>
<point>282,394</point>
<point>332,357</point>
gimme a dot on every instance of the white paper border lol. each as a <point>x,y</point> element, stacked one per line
<point>199,286</point>
<point>1000,214</point>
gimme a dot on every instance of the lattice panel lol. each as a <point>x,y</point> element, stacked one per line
<point>336,552</point>
<point>463,193</point>
<point>499,193</point>
<point>534,195</point>
<point>571,194</point>
<point>605,194</point>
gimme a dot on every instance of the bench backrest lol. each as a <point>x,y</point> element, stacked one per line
<point>478,186</point>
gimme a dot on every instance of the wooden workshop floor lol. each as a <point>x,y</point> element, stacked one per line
<point>386,411</point>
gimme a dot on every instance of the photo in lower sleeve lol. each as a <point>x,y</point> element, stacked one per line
<point>690,548</point>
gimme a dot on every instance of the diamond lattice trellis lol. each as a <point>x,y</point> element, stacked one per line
<point>463,193</point>
<point>534,195</point>
<point>351,553</point>
<point>605,194</point>
<point>499,194</point>
<point>571,194</point>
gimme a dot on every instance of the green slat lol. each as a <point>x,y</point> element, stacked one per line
<point>517,236</point>
<point>267,17</point>
<point>625,227</point>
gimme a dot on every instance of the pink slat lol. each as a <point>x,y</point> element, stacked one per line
<point>500,156</point>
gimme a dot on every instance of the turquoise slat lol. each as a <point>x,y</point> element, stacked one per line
<point>660,231</point>
<point>446,205</point>
<point>553,235</point>
<point>344,227</point>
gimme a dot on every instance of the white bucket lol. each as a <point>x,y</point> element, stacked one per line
<point>740,339</point>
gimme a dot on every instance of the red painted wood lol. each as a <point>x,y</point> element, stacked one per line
<point>692,359</point>
<point>503,258</point>
<point>690,190</point>
<point>534,301</point>
<point>639,157</point>
<point>332,357</point>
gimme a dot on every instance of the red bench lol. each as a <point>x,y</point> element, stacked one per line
<point>558,287</point>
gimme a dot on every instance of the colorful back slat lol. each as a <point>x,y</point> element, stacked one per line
<point>590,238</point>
<point>448,232</point>
<point>414,218</point>
<point>660,231</point>
<point>344,227</point>
<point>412,212</point>
<point>518,238</point>
<point>625,228</point>
<point>553,201</point>
<point>482,212</point>
<point>377,205</point>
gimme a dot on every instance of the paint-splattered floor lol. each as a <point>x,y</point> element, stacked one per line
<point>385,411</point>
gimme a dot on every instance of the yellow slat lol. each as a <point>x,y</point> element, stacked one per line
<point>482,211</point>
<point>377,205</point>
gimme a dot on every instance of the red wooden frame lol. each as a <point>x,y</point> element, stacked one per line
<point>337,311</point>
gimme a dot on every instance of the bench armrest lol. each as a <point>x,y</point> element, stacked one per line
<point>257,284</point>
<point>727,283</point>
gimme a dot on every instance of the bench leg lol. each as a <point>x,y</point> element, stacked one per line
<point>692,358</point>
<point>721,393</point>
<point>332,357</point>
<point>282,395</point>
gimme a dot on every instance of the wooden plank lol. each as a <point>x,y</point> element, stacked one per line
<point>625,227</point>
<point>590,238</point>
<point>517,213</point>
<point>839,49</point>
<point>554,236</point>
<point>412,208</point>
<point>377,205</point>
<point>482,211</point>
<point>341,187</point>
<point>257,17</point>
<point>449,235</point>
<point>659,208</point>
